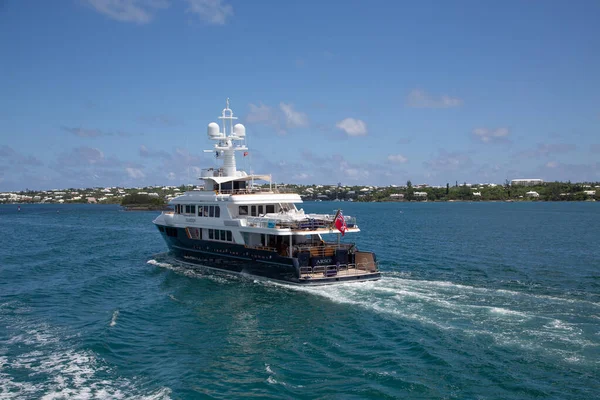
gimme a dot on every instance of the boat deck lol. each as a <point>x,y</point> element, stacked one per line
<point>326,272</point>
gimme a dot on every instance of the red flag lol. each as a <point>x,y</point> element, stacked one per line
<point>245,153</point>
<point>340,223</point>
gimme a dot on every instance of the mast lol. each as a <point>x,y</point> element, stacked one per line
<point>225,136</point>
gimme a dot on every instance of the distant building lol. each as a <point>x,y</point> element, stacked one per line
<point>420,194</point>
<point>526,182</point>
<point>532,194</point>
<point>590,192</point>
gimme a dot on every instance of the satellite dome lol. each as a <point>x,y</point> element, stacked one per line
<point>239,130</point>
<point>213,130</point>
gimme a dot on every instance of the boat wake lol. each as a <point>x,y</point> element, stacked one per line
<point>36,362</point>
<point>507,318</point>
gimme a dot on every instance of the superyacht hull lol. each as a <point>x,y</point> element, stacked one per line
<point>262,264</point>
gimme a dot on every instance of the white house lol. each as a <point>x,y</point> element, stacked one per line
<point>532,194</point>
<point>526,182</point>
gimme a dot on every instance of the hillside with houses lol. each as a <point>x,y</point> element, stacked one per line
<point>516,190</point>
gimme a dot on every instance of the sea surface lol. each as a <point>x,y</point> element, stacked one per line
<point>477,301</point>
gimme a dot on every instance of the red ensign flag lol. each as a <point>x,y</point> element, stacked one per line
<point>340,223</point>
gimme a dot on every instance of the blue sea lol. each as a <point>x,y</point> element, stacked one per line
<point>477,301</point>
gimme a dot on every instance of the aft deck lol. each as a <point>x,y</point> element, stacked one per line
<point>339,271</point>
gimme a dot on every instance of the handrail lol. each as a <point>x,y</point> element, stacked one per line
<point>344,269</point>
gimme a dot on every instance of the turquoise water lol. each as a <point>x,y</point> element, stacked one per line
<point>477,301</point>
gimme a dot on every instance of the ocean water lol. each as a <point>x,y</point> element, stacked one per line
<point>477,301</point>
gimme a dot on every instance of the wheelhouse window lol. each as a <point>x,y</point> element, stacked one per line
<point>243,210</point>
<point>200,211</point>
<point>217,212</point>
<point>211,211</point>
<point>260,210</point>
<point>270,208</point>
<point>253,211</point>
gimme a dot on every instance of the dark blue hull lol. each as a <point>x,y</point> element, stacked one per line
<point>239,259</point>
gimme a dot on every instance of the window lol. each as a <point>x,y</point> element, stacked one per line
<point>187,209</point>
<point>243,210</point>
<point>229,238</point>
<point>223,236</point>
<point>210,234</point>
<point>206,211</point>
<point>200,211</point>
<point>217,212</point>
<point>253,211</point>
<point>270,208</point>
<point>212,211</point>
<point>260,210</point>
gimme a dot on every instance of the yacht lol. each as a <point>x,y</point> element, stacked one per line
<point>242,223</point>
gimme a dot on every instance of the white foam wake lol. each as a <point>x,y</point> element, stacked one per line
<point>47,369</point>
<point>511,318</point>
<point>115,315</point>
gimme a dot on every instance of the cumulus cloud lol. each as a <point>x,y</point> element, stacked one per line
<point>16,158</point>
<point>449,161</point>
<point>82,132</point>
<point>135,173</point>
<point>419,98</point>
<point>283,116</point>
<point>211,11</point>
<point>137,11</point>
<point>259,113</point>
<point>397,158</point>
<point>352,127</point>
<point>546,150</point>
<point>147,153</point>
<point>93,133</point>
<point>485,135</point>
<point>293,118</point>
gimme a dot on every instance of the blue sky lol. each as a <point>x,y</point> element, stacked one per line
<point>119,92</point>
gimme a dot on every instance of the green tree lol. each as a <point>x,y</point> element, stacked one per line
<point>410,191</point>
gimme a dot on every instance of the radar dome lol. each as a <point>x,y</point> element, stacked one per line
<point>239,130</point>
<point>213,130</point>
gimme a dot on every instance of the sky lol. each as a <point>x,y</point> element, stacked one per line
<point>120,92</point>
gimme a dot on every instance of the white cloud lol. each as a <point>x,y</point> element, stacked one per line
<point>135,173</point>
<point>138,11</point>
<point>260,113</point>
<point>421,99</point>
<point>486,135</point>
<point>211,11</point>
<point>353,127</point>
<point>301,176</point>
<point>293,118</point>
<point>397,158</point>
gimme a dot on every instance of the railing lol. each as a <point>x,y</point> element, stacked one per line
<point>324,250</point>
<point>308,224</point>
<point>255,190</point>
<point>325,271</point>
